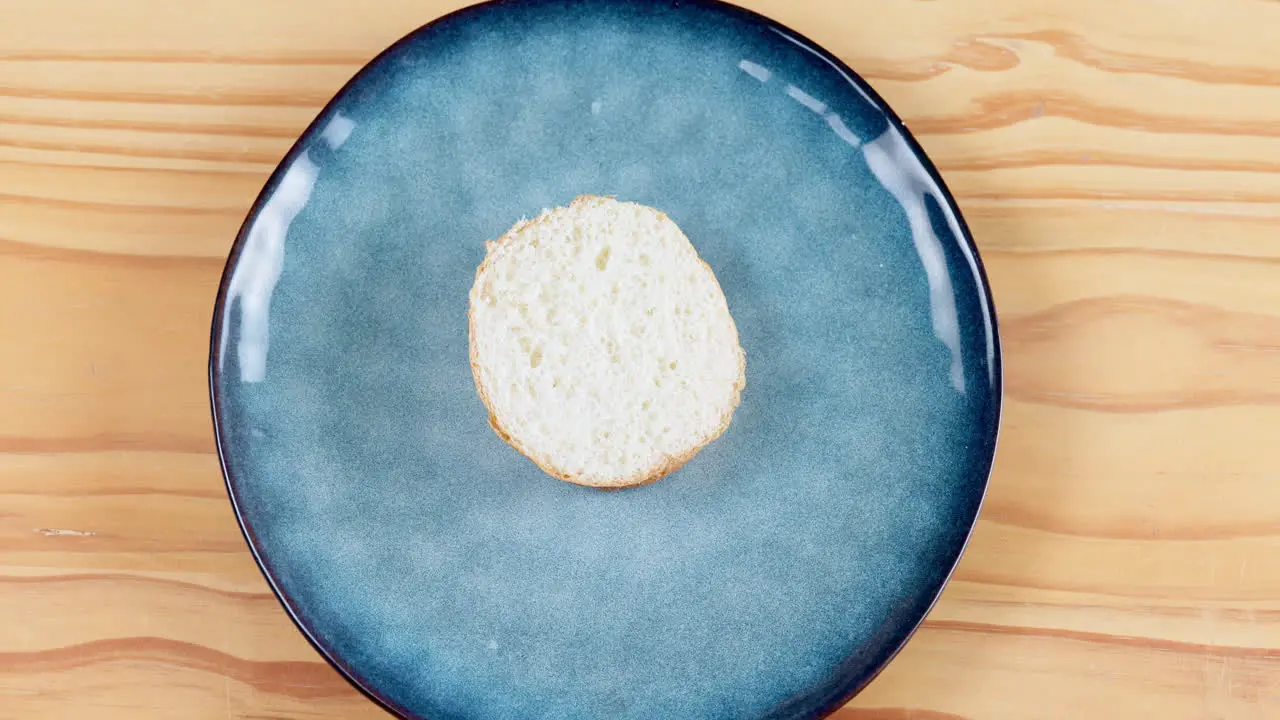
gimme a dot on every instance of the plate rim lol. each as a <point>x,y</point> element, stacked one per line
<point>847,690</point>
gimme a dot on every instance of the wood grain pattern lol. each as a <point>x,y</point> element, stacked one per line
<point>1118,160</point>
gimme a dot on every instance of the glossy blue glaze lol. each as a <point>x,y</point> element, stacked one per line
<point>773,575</point>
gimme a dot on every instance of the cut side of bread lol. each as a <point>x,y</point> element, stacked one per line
<point>602,345</point>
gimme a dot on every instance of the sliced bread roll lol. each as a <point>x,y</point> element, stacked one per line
<point>602,345</point>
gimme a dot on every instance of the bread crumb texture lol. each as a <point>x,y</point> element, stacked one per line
<point>602,345</point>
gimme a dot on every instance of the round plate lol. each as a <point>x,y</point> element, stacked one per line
<point>443,572</point>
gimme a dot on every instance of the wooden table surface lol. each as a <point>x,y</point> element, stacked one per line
<point>1118,160</point>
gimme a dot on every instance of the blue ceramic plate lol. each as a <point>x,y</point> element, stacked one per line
<point>443,572</point>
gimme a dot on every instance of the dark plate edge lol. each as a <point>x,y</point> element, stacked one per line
<point>215,351</point>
